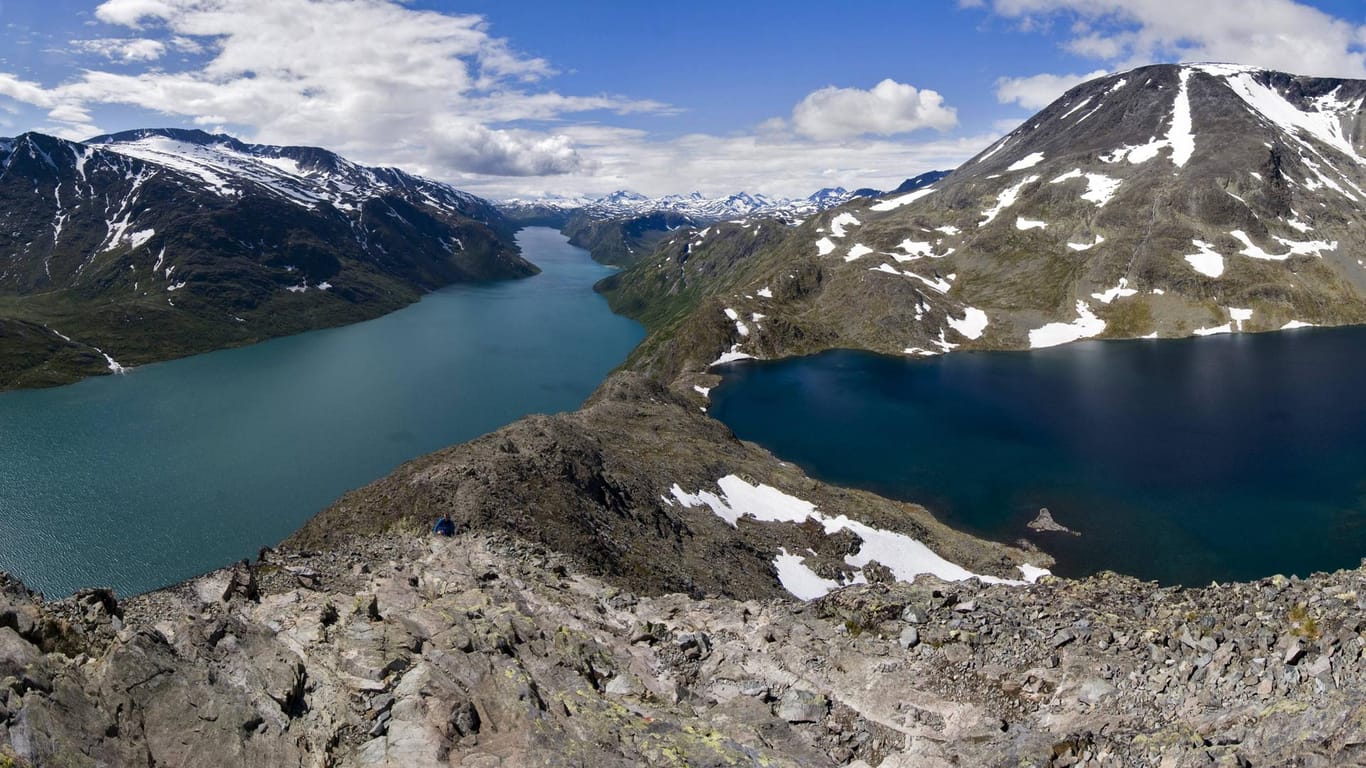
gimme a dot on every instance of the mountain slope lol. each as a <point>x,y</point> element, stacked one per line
<point>1169,201</point>
<point>153,244</point>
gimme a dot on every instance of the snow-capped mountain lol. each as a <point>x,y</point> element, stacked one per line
<point>154,243</point>
<point>624,204</point>
<point>1164,201</point>
<point>306,176</point>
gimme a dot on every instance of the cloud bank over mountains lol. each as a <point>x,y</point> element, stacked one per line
<point>385,82</point>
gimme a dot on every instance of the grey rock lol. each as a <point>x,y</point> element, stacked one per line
<point>799,706</point>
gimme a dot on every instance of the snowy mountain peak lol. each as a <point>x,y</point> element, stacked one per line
<point>305,176</point>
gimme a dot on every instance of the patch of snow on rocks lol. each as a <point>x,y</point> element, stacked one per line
<point>1207,262</point>
<point>906,557</point>
<point>1312,247</point>
<point>897,202</point>
<point>1022,223</point>
<point>731,356</point>
<point>1006,199</point>
<point>825,246</point>
<point>1122,290</point>
<point>972,325</point>
<point>798,579</point>
<point>1086,246</point>
<point>1084,327</point>
<point>1099,187</point>
<point>1225,328</point>
<point>1179,136</point>
<point>838,223</point>
<point>858,250</point>
<point>1239,316</point>
<point>1028,161</point>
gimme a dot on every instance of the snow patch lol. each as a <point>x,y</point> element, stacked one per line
<point>731,356</point>
<point>1086,246</point>
<point>1006,199</point>
<point>858,250</point>
<point>906,557</point>
<point>1179,136</point>
<point>825,246</point>
<point>897,202</point>
<point>1099,187</point>
<point>838,223</point>
<point>1120,291</point>
<point>1311,247</point>
<point>1028,161</point>
<point>799,580</point>
<point>1225,328</point>
<point>1207,262</point>
<point>1084,327</point>
<point>1022,223</point>
<point>972,325</point>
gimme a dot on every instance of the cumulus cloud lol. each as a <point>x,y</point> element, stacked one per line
<point>1277,34</point>
<point>374,79</point>
<point>888,108</point>
<point>771,164</point>
<point>1038,91</point>
<point>384,82</point>
<point>123,49</point>
<point>478,149</point>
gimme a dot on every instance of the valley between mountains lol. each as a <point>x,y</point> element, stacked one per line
<point>633,584</point>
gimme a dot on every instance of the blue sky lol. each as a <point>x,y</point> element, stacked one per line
<point>515,98</point>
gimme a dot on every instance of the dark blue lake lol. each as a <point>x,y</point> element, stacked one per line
<point>1185,461</point>
<point>142,480</point>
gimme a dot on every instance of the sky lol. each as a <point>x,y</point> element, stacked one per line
<point>531,98</point>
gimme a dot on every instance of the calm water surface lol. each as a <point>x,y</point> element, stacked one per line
<point>1184,461</point>
<point>180,467</point>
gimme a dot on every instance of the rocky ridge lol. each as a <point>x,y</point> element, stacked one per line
<point>483,651</point>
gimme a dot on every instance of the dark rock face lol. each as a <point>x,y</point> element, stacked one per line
<point>155,244</point>
<point>1168,200</point>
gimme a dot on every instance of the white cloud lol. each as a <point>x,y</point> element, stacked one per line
<point>889,108</point>
<point>385,83</point>
<point>121,49</point>
<point>719,165</point>
<point>373,79</point>
<point>1038,91</point>
<point>478,149</point>
<point>1277,34</point>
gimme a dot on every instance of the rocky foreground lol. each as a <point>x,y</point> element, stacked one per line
<point>585,616</point>
<point>485,651</point>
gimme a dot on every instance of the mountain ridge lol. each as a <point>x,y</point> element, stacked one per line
<point>1169,200</point>
<point>158,243</point>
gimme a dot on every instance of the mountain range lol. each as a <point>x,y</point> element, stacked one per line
<point>151,244</point>
<point>701,209</point>
<point>1164,201</point>
<point>614,595</point>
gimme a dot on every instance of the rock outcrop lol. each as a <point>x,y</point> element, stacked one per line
<point>481,650</point>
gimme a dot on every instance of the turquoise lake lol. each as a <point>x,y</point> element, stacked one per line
<point>1184,461</point>
<point>142,480</point>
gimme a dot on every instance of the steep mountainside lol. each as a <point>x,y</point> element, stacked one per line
<point>1168,201</point>
<point>154,244</point>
